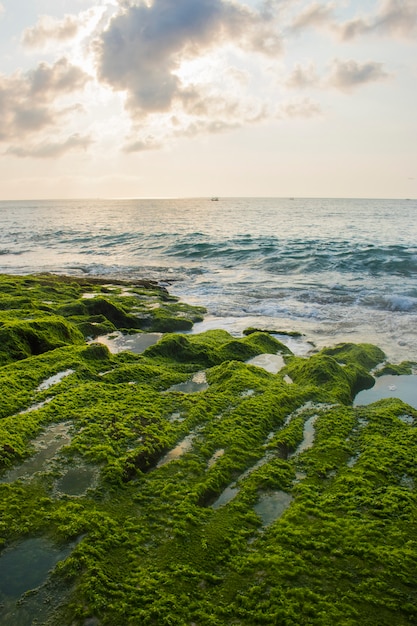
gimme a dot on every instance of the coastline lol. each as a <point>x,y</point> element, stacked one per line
<point>145,482</point>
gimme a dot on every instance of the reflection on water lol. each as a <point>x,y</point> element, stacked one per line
<point>402,387</point>
<point>197,383</point>
<point>53,380</point>
<point>178,451</point>
<point>225,497</point>
<point>308,436</point>
<point>35,407</point>
<point>230,492</point>
<point>77,480</point>
<point>352,460</point>
<point>270,362</point>
<point>214,458</point>
<point>47,445</point>
<point>272,505</point>
<point>137,343</point>
<point>25,567</point>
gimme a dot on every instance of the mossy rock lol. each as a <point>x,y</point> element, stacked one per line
<point>96,352</point>
<point>288,333</point>
<point>365,354</point>
<point>180,348</point>
<point>21,339</point>
<point>114,313</point>
<point>399,369</point>
<point>324,372</point>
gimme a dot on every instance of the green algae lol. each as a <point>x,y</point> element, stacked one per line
<point>397,369</point>
<point>149,548</point>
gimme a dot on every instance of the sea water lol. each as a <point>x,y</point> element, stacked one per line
<point>332,269</point>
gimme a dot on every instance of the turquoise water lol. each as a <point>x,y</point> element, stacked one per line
<point>402,387</point>
<point>334,269</point>
<point>26,567</point>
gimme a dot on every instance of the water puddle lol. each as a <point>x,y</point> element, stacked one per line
<point>47,444</point>
<point>352,460</point>
<point>197,383</point>
<point>77,480</point>
<point>407,482</point>
<point>213,459</point>
<point>247,393</point>
<point>298,345</point>
<point>232,490</point>
<point>25,567</point>
<point>270,362</point>
<point>53,380</point>
<point>227,494</point>
<point>176,417</point>
<point>402,387</point>
<point>178,451</point>
<point>272,505</point>
<point>406,419</point>
<point>35,407</point>
<point>117,342</point>
<point>308,436</point>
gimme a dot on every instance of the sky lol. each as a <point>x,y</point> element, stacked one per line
<point>195,98</point>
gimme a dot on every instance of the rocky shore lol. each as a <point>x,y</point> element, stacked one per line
<point>187,485</point>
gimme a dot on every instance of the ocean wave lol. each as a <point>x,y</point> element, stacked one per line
<point>277,256</point>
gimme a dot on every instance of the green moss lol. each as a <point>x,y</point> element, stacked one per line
<point>151,549</point>
<point>20,339</point>
<point>288,333</point>
<point>364,354</point>
<point>333,382</point>
<point>214,347</point>
<point>397,369</point>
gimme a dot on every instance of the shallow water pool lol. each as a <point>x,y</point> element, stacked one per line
<point>402,387</point>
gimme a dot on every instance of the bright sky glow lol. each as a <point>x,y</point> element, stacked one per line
<point>176,98</point>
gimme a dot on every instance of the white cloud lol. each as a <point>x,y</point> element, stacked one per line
<point>393,18</point>
<point>49,28</point>
<point>315,15</point>
<point>396,18</point>
<point>304,108</point>
<point>181,68</point>
<point>143,50</point>
<point>33,103</point>
<point>347,75</point>
<point>52,149</point>
<point>303,77</point>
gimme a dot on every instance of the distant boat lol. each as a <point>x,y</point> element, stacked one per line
<point>214,199</point>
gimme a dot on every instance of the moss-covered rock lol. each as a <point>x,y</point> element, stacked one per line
<point>365,354</point>
<point>397,369</point>
<point>21,339</point>
<point>172,530</point>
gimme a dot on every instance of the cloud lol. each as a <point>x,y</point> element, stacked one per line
<point>395,17</point>
<point>31,103</point>
<point>2,9</point>
<point>315,15</point>
<point>49,28</point>
<point>303,77</point>
<point>142,50</point>
<point>305,108</point>
<point>47,81</point>
<point>344,75</point>
<point>48,150</point>
<point>347,75</point>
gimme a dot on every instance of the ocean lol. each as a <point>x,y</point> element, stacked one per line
<point>331,269</point>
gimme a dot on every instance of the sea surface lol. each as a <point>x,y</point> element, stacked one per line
<point>332,269</point>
